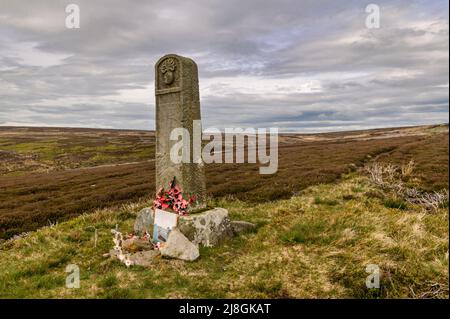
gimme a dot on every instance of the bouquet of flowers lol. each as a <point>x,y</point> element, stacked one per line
<point>173,199</point>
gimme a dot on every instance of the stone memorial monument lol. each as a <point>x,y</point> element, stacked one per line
<point>177,106</point>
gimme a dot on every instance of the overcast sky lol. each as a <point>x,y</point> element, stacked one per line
<point>303,66</point>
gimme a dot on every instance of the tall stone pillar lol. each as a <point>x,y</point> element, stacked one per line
<point>177,106</point>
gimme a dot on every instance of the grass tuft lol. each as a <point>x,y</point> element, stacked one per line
<point>395,203</point>
<point>329,202</point>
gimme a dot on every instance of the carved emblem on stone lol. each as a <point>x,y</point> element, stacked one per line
<point>167,69</point>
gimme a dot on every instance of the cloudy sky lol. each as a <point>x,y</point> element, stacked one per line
<point>303,66</point>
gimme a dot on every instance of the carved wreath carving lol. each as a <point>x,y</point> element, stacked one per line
<point>167,69</point>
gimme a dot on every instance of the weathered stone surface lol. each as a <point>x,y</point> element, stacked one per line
<point>144,258</point>
<point>208,228</point>
<point>178,246</point>
<point>239,227</point>
<point>136,244</point>
<point>177,106</point>
<point>144,222</point>
<point>112,253</point>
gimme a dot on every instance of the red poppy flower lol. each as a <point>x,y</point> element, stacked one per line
<point>173,199</point>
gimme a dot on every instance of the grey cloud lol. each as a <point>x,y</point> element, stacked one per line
<point>396,75</point>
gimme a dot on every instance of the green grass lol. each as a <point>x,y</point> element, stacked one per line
<point>46,149</point>
<point>108,282</point>
<point>305,232</point>
<point>321,201</point>
<point>61,149</point>
<point>301,249</point>
<point>396,203</point>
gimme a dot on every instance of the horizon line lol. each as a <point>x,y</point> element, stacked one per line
<point>222,131</point>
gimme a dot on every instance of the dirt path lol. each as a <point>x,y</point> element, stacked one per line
<point>107,165</point>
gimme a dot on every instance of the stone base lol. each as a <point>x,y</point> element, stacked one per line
<point>208,228</point>
<point>178,246</point>
<point>144,222</point>
<point>135,244</point>
<point>144,258</point>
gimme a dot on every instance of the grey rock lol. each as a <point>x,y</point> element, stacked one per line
<point>208,228</point>
<point>178,246</point>
<point>144,258</point>
<point>136,244</point>
<point>144,222</point>
<point>240,227</point>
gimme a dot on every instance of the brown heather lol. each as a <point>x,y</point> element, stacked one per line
<point>31,198</point>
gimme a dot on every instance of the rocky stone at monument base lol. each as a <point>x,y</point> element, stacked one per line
<point>144,222</point>
<point>135,244</point>
<point>207,228</point>
<point>178,246</point>
<point>144,258</point>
